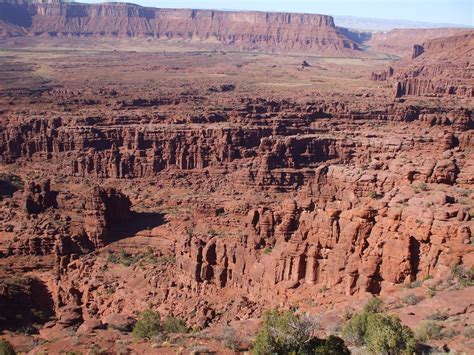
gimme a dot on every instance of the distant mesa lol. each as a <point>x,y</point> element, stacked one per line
<point>256,31</point>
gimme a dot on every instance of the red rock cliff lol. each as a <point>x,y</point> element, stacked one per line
<point>243,30</point>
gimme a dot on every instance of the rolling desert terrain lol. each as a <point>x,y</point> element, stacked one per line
<point>212,166</point>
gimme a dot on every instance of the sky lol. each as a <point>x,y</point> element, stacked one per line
<point>459,12</point>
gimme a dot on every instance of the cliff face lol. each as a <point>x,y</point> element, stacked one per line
<point>441,66</point>
<point>400,42</point>
<point>243,30</point>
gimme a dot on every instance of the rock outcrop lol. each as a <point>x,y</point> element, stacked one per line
<point>66,223</point>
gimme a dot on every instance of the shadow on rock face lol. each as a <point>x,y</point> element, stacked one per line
<point>138,221</point>
<point>24,302</point>
<point>9,184</point>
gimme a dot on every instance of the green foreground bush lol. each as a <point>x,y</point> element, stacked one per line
<point>6,348</point>
<point>287,333</point>
<point>379,332</point>
<point>149,324</point>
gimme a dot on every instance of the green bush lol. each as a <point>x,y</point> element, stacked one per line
<point>6,348</point>
<point>148,325</point>
<point>379,332</point>
<point>174,325</point>
<point>287,333</point>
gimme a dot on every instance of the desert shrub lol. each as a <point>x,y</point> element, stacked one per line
<point>96,350</point>
<point>375,305</point>
<point>380,333</point>
<point>124,258</point>
<point>438,316</point>
<point>267,250</point>
<point>449,333</point>
<point>166,260</point>
<point>430,293</point>
<point>414,284</point>
<point>420,187</point>
<point>174,325</point>
<point>411,299</point>
<point>469,332</point>
<point>465,276</point>
<point>286,333</point>
<point>148,325</point>
<point>6,348</point>
<point>230,339</point>
<point>355,329</point>
<point>429,330</point>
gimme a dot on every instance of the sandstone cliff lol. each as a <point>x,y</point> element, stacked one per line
<point>441,66</point>
<point>241,30</point>
<point>400,42</point>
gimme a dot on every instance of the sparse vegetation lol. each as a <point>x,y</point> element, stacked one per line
<point>420,187</point>
<point>373,195</point>
<point>128,259</point>
<point>411,299</point>
<point>428,330</point>
<point>439,316</point>
<point>464,276</point>
<point>427,277</point>
<point>96,350</point>
<point>166,260</point>
<point>379,332</point>
<point>432,330</point>
<point>212,232</point>
<point>414,284</point>
<point>230,339</point>
<point>6,348</point>
<point>150,325</point>
<point>375,305</point>
<point>430,293</point>
<point>469,332</point>
<point>174,325</point>
<point>286,333</point>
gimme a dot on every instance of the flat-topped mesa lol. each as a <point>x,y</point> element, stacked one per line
<point>242,30</point>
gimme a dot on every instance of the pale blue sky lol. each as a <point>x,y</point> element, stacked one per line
<point>441,11</point>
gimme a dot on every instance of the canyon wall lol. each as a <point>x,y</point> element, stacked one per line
<point>440,67</point>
